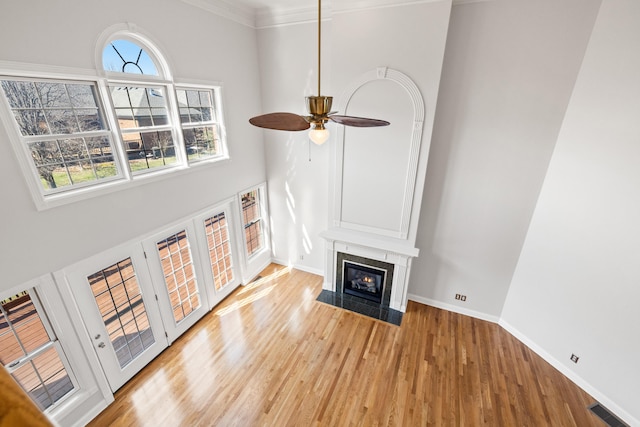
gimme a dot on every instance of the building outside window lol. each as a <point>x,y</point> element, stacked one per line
<point>73,135</point>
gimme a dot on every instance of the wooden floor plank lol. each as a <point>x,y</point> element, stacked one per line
<point>271,355</point>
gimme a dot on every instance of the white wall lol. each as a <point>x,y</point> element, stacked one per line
<point>196,44</point>
<point>296,169</point>
<point>508,73</point>
<point>575,288</point>
<point>409,39</point>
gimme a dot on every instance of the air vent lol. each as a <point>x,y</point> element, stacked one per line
<point>606,416</point>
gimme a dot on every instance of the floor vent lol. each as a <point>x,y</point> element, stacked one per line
<point>606,416</point>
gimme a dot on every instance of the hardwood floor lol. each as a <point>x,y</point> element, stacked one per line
<point>271,355</point>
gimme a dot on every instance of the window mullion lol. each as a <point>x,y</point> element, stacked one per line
<point>13,366</point>
<point>52,136</point>
<point>119,154</point>
<point>174,118</point>
<point>97,157</point>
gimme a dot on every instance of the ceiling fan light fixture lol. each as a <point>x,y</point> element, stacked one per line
<point>319,109</point>
<point>319,105</point>
<point>318,134</point>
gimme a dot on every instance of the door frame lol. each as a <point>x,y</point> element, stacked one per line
<point>173,329</point>
<point>229,207</point>
<point>94,327</point>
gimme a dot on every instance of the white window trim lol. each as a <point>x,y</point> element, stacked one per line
<point>253,264</point>
<point>46,201</point>
<point>216,90</point>
<point>81,401</point>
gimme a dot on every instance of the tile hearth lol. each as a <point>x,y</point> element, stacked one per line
<point>361,306</point>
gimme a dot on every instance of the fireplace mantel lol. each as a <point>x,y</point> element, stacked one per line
<point>368,240</point>
<point>380,248</point>
<point>378,178</point>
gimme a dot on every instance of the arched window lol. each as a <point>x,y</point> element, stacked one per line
<point>142,106</point>
<point>127,57</point>
<point>162,125</point>
<point>77,134</point>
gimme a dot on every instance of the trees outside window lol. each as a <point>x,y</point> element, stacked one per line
<point>64,127</point>
<point>63,130</point>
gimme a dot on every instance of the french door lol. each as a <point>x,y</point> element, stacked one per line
<point>174,266</point>
<point>138,298</point>
<point>117,302</point>
<point>218,246</point>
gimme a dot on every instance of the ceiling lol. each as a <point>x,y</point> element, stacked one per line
<point>268,13</point>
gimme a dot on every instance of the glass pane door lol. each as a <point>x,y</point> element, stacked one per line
<point>179,275</point>
<point>175,273</point>
<point>116,299</point>
<point>219,250</point>
<point>122,309</point>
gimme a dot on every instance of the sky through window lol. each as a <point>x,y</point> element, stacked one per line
<point>127,57</point>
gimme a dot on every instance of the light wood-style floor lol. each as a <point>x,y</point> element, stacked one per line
<point>271,355</point>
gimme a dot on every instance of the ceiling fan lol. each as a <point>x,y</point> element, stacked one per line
<point>318,108</point>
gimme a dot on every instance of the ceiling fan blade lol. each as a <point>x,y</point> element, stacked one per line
<point>280,121</point>
<point>359,122</point>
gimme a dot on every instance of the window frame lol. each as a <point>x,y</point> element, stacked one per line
<point>262,219</point>
<point>172,125</point>
<point>126,180</point>
<point>54,342</point>
<point>21,142</point>
<point>217,122</point>
<point>253,263</point>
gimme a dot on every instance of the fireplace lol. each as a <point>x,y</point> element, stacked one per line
<point>364,285</point>
<point>376,194</point>
<point>368,280</point>
<point>363,281</point>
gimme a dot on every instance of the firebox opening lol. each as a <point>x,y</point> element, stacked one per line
<point>363,281</point>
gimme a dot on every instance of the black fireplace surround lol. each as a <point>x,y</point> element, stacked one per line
<point>375,267</point>
<point>363,281</point>
<point>372,281</point>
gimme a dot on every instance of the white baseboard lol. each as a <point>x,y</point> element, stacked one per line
<point>255,272</point>
<point>579,381</point>
<point>454,308</point>
<point>316,271</point>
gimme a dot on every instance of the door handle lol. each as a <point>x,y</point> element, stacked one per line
<point>101,345</point>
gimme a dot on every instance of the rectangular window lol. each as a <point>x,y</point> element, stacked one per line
<point>143,118</point>
<point>77,138</point>
<point>252,219</point>
<point>199,117</point>
<point>30,351</point>
<point>63,132</point>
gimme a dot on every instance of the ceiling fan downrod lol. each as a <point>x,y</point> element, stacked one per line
<point>318,108</point>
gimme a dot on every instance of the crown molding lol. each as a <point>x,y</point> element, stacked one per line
<point>272,17</point>
<point>275,16</point>
<point>239,13</point>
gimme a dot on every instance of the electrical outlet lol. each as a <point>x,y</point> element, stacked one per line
<point>461,297</point>
<point>301,257</point>
<point>574,358</point>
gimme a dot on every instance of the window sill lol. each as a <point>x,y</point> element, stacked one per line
<point>45,202</point>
